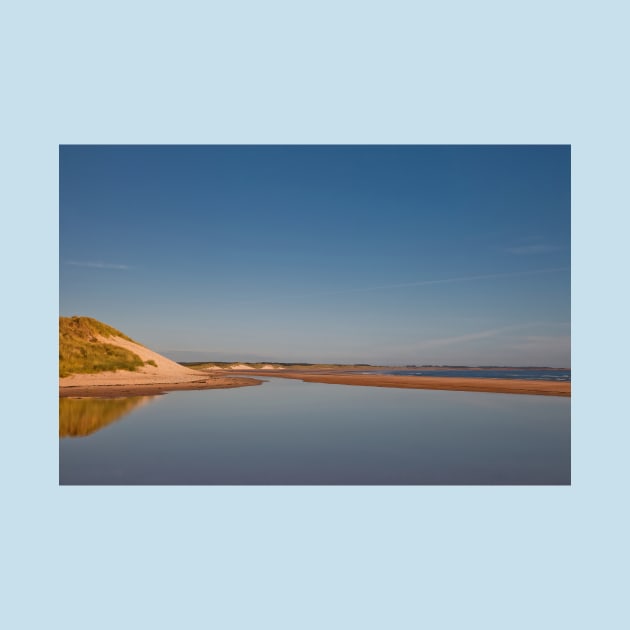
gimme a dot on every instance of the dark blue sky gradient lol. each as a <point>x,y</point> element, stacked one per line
<point>371,254</point>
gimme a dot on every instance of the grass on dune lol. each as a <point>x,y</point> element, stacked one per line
<point>81,352</point>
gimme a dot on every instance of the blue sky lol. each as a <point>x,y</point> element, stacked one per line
<point>368,254</point>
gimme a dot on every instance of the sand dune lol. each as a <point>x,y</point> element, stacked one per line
<point>164,376</point>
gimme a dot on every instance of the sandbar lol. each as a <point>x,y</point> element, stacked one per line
<point>450,383</point>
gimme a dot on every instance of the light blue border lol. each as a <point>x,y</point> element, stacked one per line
<point>343,72</point>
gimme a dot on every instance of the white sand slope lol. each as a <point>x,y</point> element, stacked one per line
<point>167,371</point>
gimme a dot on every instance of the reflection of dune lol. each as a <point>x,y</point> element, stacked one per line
<point>83,416</point>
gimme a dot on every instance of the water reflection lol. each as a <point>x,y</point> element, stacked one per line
<point>292,433</point>
<point>79,417</point>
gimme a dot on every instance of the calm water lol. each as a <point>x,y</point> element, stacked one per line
<point>286,432</point>
<point>527,374</point>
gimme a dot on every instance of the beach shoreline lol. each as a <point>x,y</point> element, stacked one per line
<point>124,390</point>
<point>123,384</point>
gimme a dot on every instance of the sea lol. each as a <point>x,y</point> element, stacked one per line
<point>286,432</point>
<point>534,374</point>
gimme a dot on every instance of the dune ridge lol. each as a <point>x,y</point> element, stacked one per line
<point>157,373</point>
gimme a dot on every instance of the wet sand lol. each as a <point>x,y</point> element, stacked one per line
<point>450,383</point>
<point>153,389</point>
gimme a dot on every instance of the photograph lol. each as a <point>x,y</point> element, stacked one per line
<point>315,315</point>
<point>340,300</point>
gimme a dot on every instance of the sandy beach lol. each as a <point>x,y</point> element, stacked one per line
<point>164,376</point>
<point>489,385</point>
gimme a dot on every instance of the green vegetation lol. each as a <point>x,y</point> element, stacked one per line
<point>151,362</point>
<point>81,352</point>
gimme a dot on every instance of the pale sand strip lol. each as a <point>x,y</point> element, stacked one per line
<point>490,385</point>
<point>152,389</point>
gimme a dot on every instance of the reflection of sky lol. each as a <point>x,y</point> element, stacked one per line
<point>289,432</point>
<point>453,255</point>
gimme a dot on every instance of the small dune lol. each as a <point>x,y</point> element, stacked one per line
<point>87,347</point>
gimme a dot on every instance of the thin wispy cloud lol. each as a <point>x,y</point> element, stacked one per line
<point>502,331</point>
<point>458,339</point>
<point>96,265</point>
<point>419,283</point>
<point>485,334</point>
<point>538,248</point>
